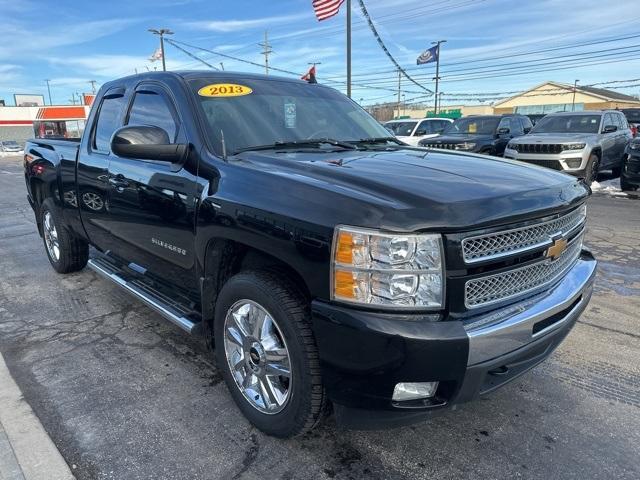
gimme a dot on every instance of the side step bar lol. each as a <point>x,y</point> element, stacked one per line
<point>104,269</point>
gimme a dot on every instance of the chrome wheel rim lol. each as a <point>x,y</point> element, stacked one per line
<point>92,200</point>
<point>257,356</point>
<point>51,237</point>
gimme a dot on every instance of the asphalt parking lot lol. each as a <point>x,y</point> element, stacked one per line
<point>126,395</point>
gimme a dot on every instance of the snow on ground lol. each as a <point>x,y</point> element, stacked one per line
<point>609,187</point>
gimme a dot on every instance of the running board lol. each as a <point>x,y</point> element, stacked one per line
<point>107,270</point>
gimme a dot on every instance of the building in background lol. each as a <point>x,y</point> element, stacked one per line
<point>388,111</point>
<point>20,123</point>
<point>552,97</point>
<point>28,100</point>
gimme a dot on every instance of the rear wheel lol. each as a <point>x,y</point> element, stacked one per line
<point>66,252</point>
<point>625,185</point>
<point>593,167</point>
<point>267,353</point>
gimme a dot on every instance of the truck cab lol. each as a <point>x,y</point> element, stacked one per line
<point>325,262</point>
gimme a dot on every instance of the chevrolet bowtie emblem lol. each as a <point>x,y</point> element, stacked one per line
<point>555,250</point>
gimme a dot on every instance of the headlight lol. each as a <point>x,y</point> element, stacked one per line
<point>573,146</point>
<point>401,271</point>
<point>466,146</point>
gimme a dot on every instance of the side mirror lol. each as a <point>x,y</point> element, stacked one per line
<point>609,129</point>
<point>503,131</point>
<point>147,143</point>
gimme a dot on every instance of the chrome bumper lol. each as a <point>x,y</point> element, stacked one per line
<point>500,332</point>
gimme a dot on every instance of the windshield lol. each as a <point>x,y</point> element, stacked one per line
<point>402,129</point>
<point>568,124</point>
<point>473,126</point>
<point>633,115</point>
<point>258,112</point>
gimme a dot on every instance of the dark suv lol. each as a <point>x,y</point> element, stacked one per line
<point>488,134</point>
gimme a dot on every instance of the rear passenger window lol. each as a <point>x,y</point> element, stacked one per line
<point>150,108</point>
<point>108,121</point>
<point>623,121</point>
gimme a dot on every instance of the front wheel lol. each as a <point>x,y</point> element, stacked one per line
<point>593,168</point>
<point>267,353</point>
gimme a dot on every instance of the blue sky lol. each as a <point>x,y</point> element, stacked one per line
<point>73,42</point>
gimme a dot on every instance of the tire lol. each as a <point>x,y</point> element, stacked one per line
<point>592,170</point>
<point>300,401</point>
<point>626,186</point>
<point>616,171</point>
<point>66,252</point>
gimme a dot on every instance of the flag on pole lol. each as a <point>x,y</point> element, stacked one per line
<point>310,76</point>
<point>428,56</point>
<point>157,55</point>
<point>326,8</point>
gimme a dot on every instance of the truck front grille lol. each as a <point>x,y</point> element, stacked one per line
<point>445,146</point>
<point>480,248</point>
<point>502,286</point>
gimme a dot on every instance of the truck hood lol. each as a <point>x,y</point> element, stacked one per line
<point>413,189</point>
<point>553,138</point>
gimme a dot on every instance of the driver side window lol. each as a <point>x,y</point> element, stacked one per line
<point>150,108</point>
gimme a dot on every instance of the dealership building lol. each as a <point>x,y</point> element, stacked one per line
<point>552,97</point>
<point>31,118</point>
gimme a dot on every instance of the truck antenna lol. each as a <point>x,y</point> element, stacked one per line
<point>224,146</point>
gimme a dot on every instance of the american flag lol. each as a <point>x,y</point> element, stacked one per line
<point>326,8</point>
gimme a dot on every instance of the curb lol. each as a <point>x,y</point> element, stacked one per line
<point>26,450</point>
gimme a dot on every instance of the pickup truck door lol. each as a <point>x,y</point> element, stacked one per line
<point>152,204</point>
<point>92,192</point>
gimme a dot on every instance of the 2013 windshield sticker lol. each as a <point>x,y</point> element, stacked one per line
<point>224,90</point>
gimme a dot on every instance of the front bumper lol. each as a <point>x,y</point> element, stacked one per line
<point>565,162</point>
<point>631,168</point>
<point>364,354</point>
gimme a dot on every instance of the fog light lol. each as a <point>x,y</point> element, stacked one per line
<point>573,162</point>
<point>414,391</point>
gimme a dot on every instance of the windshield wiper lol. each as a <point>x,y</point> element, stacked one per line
<point>378,140</point>
<point>312,142</point>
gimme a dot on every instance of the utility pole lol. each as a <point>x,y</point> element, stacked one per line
<point>93,85</point>
<point>266,51</point>
<point>73,98</point>
<point>437,77</point>
<point>349,48</point>
<point>49,90</point>
<point>399,88</point>
<point>222,66</point>
<point>573,102</point>
<point>439,102</point>
<point>161,32</point>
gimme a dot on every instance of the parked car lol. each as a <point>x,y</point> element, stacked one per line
<point>10,146</point>
<point>322,259</point>
<point>579,143</point>
<point>535,117</point>
<point>630,174</point>
<point>487,134</point>
<point>412,131</point>
<point>633,117</point>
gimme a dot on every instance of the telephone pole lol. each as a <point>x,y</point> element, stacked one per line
<point>349,48</point>
<point>573,102</point>
<point>48,89</point>
<point>399,88</point>
<point>161,32</point>
<point>266,51</point>
<point>437,77</point>
<point>93,85</point>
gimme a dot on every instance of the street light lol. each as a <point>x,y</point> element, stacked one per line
<point>161,32</point>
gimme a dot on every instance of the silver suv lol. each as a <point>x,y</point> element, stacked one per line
<point>579,143</point>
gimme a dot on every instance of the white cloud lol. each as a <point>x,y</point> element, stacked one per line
<point>224,26</point>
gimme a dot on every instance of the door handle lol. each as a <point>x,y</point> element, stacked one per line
<point>118,181</point>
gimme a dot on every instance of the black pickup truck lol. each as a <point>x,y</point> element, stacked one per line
<point>325,263</point>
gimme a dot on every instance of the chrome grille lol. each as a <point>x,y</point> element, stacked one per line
<point>503,286</point>
<point>517,240</point>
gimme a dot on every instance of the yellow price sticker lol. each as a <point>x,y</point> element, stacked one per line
<point>224,90</point>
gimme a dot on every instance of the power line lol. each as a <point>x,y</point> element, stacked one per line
<point>384,47</point>
<point>169,41</point>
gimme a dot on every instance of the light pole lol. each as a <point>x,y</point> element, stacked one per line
<point>573,102</point>
<point>162,32</point>
<point>49,90</point>
<point>437,77</point>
